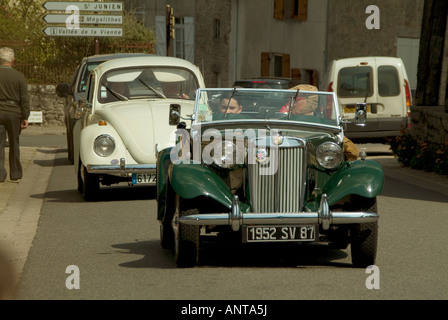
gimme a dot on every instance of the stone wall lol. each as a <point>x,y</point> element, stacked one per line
<point>429,124</point>
<point>43,98</point>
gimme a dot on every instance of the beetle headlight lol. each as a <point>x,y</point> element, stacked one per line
<point>329,155</point>
<point>104,145</point>
<point>226,155</point>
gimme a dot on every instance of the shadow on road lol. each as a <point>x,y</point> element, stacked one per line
<point>105,194</point>
<point>239,255</point>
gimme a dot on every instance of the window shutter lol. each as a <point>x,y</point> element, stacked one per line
<point>161,35</point>
<point>285,65</point>
<point>279,9</point>
<point>189,38</point>
<point>303,10</point>
<point>265,57</point>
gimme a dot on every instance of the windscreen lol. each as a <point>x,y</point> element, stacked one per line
<point>265,105</point>
<point>147,82</point>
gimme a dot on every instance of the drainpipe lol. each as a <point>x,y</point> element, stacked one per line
<point>235,40</point>
<point>327,29</point>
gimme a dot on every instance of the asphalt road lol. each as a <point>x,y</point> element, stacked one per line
<point>114,243</point>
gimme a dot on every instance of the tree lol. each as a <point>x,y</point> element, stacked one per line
<point>432,44</point>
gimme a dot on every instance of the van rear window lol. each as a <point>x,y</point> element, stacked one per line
<point>355,82</point>
<point>388,83</point>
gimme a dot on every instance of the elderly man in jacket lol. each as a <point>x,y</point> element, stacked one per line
<point>14,113</point>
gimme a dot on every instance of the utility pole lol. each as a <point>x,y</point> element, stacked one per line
<point>170,22</point>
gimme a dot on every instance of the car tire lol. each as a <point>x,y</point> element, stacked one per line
<point>166,229</point>
<point>364,236</point>
<point>166,235</point>
<point>90,186</point>
<point>186,238</point>
<point>79,178</point>
<point>70,147</point>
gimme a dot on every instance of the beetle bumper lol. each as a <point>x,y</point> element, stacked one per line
<point>236,219</point>
<point>122,169</point>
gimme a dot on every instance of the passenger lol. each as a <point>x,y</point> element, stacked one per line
<point>233,107</point>
<point>302,105</point>
<point>307,106</point>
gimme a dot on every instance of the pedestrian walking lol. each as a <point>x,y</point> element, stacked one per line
<point>14,113</point>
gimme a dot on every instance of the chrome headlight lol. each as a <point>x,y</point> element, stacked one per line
<point>329,155</point>
<point>226,155</point>
<point>104,145</point>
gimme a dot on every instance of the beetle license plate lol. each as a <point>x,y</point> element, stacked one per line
<point>143,178</point>
<point>279,233</point>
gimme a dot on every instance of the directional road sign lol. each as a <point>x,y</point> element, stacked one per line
<point>84,18</point>
<point>83,32</point>
<point>116,6</point>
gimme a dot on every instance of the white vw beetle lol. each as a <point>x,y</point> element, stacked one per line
<point>125,120</point>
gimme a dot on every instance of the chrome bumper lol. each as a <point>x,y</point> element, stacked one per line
<point>323,217</point>
<point>122,169</point>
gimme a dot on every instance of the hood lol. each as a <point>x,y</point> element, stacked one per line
<point>143,124</point>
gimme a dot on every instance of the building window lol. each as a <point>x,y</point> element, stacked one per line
<point>179,39</point>
<point>183,44</point>
<point>275,65</point>
<point>299,9</point>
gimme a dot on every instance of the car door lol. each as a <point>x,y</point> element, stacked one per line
<point>391,100</point>
<point>355,83</point>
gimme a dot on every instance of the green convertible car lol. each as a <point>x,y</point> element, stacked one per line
<point>265,165</point>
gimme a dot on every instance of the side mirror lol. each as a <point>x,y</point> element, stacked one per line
<point>361,114</point>
<point>63,90</point>
<point>174,117</point>
<point>84,105</point>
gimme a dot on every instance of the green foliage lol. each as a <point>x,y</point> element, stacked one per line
<point>420,155</point>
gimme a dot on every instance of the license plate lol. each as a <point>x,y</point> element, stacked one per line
<point>352,108</point>
<point>279,233</point>
<point>143,178</point>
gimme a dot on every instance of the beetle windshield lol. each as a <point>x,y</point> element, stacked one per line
<point>147,82</point>
<point>266,105</point>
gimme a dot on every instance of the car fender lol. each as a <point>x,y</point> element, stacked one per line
<point>86,142</point>
<point>190,180</point>
<point>362,177</point>
<point>163,165</point>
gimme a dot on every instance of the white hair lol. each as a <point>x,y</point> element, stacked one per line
<point>6,55</point>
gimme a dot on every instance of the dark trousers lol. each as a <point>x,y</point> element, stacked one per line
<point>11,125</point>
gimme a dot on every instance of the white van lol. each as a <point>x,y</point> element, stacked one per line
<point>382,83</point>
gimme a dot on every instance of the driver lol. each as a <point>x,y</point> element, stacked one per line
<point>232,107</point>
<point>173,90</point>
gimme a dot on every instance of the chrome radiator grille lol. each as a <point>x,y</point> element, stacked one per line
<point>282,191</point>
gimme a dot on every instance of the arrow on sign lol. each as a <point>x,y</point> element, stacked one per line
<point>84,18</point>
<point>83,32</point>
<point>84,6</point>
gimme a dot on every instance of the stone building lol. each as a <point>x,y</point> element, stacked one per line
<point>232,39</point>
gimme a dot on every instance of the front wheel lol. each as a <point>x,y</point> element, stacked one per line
<point>90,185</point>
<point>364,236</point>
<point>186,238</point>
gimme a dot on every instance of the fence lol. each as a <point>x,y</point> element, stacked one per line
<point>55,62</point>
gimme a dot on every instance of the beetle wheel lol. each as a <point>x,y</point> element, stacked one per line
<point>90,186</point>
<point>364,236</point>
<point>186,238</point>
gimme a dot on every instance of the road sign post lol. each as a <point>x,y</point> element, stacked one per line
<point>65,19</point>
